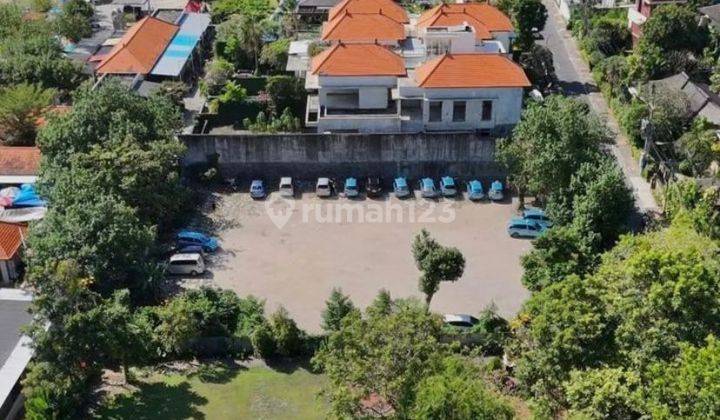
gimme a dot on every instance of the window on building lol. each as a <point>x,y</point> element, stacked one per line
<point>435,111</point>
<point>487,110</point>
<point>459,111</point>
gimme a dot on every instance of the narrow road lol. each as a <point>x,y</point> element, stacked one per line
<point>576,80</point>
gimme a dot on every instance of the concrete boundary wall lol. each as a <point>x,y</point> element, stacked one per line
<point>307,156</point>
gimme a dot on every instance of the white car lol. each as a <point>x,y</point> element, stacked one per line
<point>324,187</point>
<point>192,264</point>
<point>287,188</point>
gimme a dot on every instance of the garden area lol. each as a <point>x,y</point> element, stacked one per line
<point>220,390</point>
<point>672,43</point>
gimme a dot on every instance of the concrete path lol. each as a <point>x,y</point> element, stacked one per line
<point>576,79</point>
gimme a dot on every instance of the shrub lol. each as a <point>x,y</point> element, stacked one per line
<point>263,341</point>
<point>492,331</point>
<point>288,337</point>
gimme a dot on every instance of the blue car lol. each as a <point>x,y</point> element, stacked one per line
<point>189,237</point>
<point>351,187</point>
<point>537,215</point>
<point>519,227</point>
<point>401,188</point>
<point>257,189</point>
<point>447,186</point>
<point>427,188</point>
<point>496,191</point>
<point>475,190</point>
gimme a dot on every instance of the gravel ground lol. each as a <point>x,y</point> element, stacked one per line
<point>311,245</point>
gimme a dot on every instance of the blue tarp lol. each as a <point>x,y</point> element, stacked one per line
<point>27,197</point>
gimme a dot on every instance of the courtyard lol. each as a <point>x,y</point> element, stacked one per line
<point>293,252</point>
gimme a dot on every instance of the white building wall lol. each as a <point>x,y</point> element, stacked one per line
<point>360,124</point>
<point>505,38</point>
<point>506,108</point>
<point>372,92</point>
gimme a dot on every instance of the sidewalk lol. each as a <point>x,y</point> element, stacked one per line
<point>622,151</point>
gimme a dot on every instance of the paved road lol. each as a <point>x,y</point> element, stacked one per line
<point>576,80</point>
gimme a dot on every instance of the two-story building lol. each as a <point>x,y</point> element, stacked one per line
<point>640,11</point>
<point>366,88</point>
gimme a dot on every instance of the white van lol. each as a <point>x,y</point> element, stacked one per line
<point>192,264</point>
<point>286,187</point>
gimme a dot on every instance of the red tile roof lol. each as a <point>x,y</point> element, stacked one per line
<point>11,238</point>
<point>139,49</point>
<point>358,60</point>
<point>481,16</point>
<point>386,7</point>
<point>19,160</point>
<point>475,70</point>
<point>361,27</point>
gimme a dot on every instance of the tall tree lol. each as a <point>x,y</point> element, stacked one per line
<point>436,263</point>
<point>336,308</point>
<point>20,107</point>
<point>529,17</point>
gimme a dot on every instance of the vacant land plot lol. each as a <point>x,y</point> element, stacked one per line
<point>293,253</point>
<point>217,392</point>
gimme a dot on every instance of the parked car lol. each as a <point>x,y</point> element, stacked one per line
<point>475,190</point>
<point>351,187</point>
<point>496,191</point>
<point>257,189</point>
<point>427,188</point>
<point>191,249</point>
<point>189,237</point>
<point>519,227</point>
<point>374,186</point>
<point>192,264</point>
<point>324,187</point>
<point>460,320</point>
<point>447,186</point>
<point>538,215</point>
<point>287,187</point>
<point>401,187</point>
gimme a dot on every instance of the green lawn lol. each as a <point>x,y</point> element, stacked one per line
<point>257,392</point>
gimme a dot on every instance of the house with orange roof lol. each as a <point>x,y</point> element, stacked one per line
<point>19,165</point>
<point>465,27</point>
<point>351,27</point>
<point>387,7</point>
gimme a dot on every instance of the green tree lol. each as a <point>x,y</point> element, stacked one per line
<point>537,61</point>
<point>698,148</point>
<point>217,73</point>
<point>687,199</point>
<point>562,251</point>
<point>242,36</point>
<point>457,392</point>
<point>549,144</point>
<point>529,17</point>
<point>383,355</point>
<point>37,58</point>
<point>288,337</point>
<point>436,263</point>
<point>20,108</point>
<point>688,386</point>
<point>675,27</point>
<point>286,92</point>
<point>275,55</point>
<point>605,393</point>
<point>336,308</point>
<point>492,331</point>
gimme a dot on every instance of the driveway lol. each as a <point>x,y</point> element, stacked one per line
<point>576,80</point>
<point>311,245</point>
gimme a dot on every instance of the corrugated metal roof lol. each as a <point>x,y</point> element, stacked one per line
<point>192,27</point>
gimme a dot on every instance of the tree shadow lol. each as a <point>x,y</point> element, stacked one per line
<point>289,365</point>
<point>217,372</point>
<point>155,400</point>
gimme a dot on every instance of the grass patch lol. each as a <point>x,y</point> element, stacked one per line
<point>218,392</point>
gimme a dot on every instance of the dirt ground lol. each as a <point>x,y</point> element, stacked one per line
<point>311,245</point>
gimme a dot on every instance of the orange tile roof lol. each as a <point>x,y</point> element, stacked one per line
<point>386,7</point>
<point>358,60</point>
<point>474,70</point>
<point>481,16</point>
<point>363,27</point>
<point>19,160</point>
<point>11,238</point>
<point>139,49</point>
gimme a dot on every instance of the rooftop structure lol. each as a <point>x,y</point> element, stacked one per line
<point>471,71</point>
<point>19,165</point>
<point>386,7</point>
<point>357,60</point>
<point>363,27</point>
<point>15,351</point>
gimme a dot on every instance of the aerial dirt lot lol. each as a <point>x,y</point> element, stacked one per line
<point>311,245</point>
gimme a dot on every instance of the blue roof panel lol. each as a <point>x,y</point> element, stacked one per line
<point>192,27</point>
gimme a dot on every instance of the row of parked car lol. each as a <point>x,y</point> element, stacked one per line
<point>325,187</point>
<point>189,255</point>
